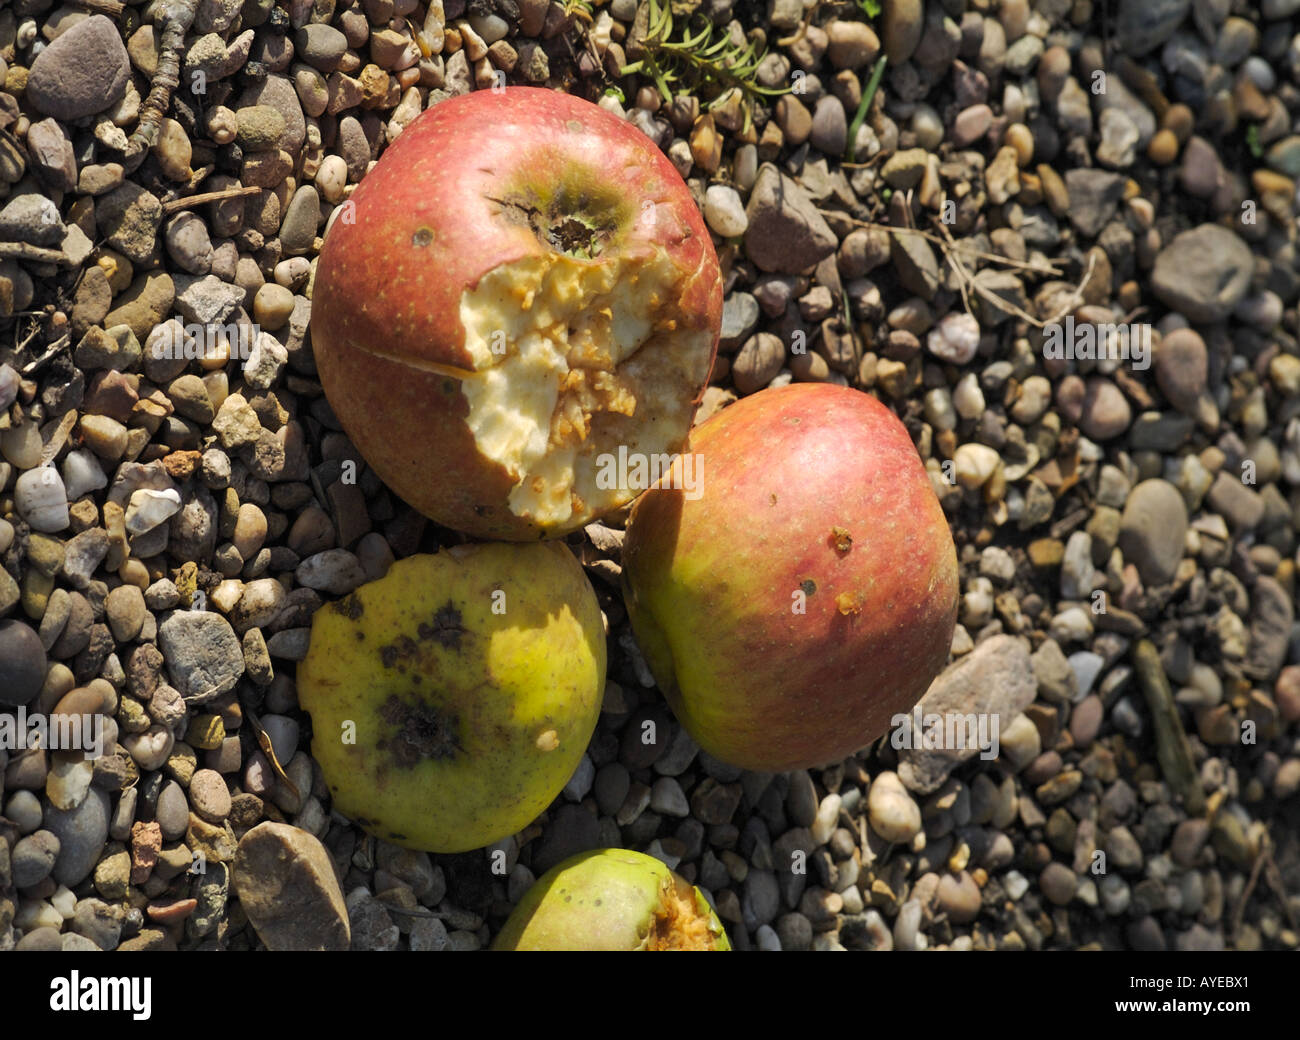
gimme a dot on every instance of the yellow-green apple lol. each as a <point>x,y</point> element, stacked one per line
<point>612,900</point>
<point>521,286</point>
<point>806,591</point>
<point>452,699</point>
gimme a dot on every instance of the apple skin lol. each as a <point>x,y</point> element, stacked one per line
<point>606,900</point>
<point>710,583</point>
<point>386,331</point>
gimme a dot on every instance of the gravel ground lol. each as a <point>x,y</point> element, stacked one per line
<point>1126,528</point>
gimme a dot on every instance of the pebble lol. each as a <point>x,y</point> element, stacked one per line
<point>22,663</point>
<point>1203,273</point>
<point>41,499</point>
<point>31,218</point>
<point>285,882</point>
<point>1058,883</point>
<point>1152,530</point>
<point>891,811</point>
<point>996,677</point>
<point>724,211</point>
<point>786,234</point>
<point>955,338</point>
<point>81,832</point>
<point>202,652</point>
<point>84,71</point>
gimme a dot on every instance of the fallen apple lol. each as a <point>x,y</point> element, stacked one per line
<point>807,592</point>
<point>612,900</point>
<point>452,699</point>
<point>521,286</point>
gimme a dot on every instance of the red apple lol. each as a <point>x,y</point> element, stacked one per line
<point>524,286</point>
<point>799,588</point>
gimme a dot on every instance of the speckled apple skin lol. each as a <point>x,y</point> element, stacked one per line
<point>710,584</point>
<point>388,284</point>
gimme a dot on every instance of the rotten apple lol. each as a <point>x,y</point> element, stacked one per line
<point>806,592</point>
<point>452,699</point>
<point>521,286</point>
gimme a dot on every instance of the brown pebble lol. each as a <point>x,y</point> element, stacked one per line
<point>1163,148</point>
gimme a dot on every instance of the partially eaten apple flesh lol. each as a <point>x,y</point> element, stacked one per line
<point>526,292</point>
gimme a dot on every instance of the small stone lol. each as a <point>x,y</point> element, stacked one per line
<point>891,811</point>
<point>724,211</point>
<point>203,655</point>
<point>786,232</point>
<point>1152,530</point>
<point>84,71</point>
<point>22,663</point>
<point>1203,273</point>
<point>33,219</point>
<point>41,500</point>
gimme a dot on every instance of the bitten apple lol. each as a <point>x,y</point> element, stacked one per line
<point>807,592</point>
<point>521,286</point>
<point>612,900</point>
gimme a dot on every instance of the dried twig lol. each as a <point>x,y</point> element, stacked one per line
<point>59,344</point>
<point>109,7</point>
<point>177,16</point>
<point>965,250</point>
<point>1173,752</point>
<point>790,41</point>
<point>30,253</point>
<point>236,192</point>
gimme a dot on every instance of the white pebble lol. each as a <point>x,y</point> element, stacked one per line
<point>967,397</point>
<point>41,500</point>
<point>724,212</point>
<point>974,464</point>
<point>82,474</point>
<point>955,339</point>
<point>148,508</point>
<point>332,178</point>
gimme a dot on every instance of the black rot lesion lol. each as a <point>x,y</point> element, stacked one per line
<point>350,607</point>
<point>446,628</point>
<point>420,731</point>
<point>398,652</point>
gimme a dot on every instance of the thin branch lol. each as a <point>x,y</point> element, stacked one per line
<point>32,254</point>
<point>962,248</point>
<point>177,17</point>
<point>109,7</point>
<point>236,192</point>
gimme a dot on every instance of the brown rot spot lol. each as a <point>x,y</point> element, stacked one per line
<point>445,629</point>
<point>809,586</point>
<point>350,607</point>
<point>422,237</point>
<point>841,539</point>
<point>419,731</point>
